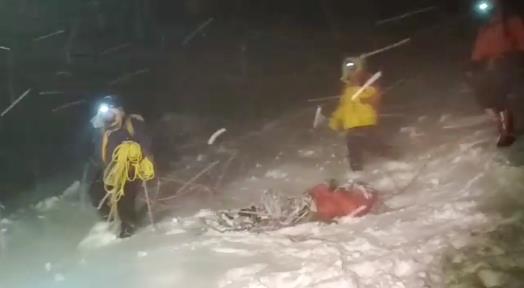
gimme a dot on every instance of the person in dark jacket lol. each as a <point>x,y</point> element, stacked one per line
<point>497,64</point>
<point>115,127</point>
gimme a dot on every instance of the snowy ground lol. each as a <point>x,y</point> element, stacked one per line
<point>434,194</point>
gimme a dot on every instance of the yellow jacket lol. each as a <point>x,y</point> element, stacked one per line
<point>354,113</point>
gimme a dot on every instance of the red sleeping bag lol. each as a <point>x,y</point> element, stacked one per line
<point>356,201</point>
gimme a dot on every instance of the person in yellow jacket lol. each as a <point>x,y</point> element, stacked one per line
<point>357,116</point>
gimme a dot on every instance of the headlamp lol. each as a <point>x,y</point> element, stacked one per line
<point>484,6</point>
<point>103,108</point>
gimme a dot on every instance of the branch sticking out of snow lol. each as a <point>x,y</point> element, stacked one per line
<point>191,181</point>
<point>128,76</point>
<point>15,102</point>
<point>215,135</point>
<point>196,31</point>
<point>319,118</point>
<point>56,33</point>
<point>387,48</point>
<point>406,15</point>
<point>181,181</point>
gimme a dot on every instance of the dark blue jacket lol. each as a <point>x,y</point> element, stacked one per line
<point>131,128</point>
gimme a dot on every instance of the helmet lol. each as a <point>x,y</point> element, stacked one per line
<point>351,66</point>
<point>109,102</point>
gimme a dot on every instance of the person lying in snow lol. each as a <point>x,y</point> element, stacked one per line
<point>325,203</point>
<point>332,201</point>
<point>358,116</point>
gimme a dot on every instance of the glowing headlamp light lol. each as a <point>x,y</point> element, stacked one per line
<point>484,6</point>
<point>103,108</point>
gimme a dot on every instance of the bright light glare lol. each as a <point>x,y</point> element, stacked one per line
<point>484,6</point>
<point>350,64</point>
<point>104,108</point>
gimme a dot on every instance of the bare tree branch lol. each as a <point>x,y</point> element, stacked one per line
<point>406,15</point>
<point>15,103</point>
<point>56,33</point>
<point>128,76</point>
<point>196,31</point>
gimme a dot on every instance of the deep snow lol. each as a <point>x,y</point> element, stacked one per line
<point>432,203</point>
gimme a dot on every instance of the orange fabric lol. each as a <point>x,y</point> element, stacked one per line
<point>341,202</point>
<point>494,40</point>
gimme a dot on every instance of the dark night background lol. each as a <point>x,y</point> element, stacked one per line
<point>254,60</point>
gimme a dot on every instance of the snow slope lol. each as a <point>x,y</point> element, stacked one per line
<point>431,195</point>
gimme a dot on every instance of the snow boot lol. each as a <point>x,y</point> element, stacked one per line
<point>355,161</point>
<point>127,230</point>
<point>356,166</point>
<point>506,129</point>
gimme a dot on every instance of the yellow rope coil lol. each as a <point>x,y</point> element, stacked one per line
<point>127,164</point>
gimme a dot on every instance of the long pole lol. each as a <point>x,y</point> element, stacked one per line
<point>406,15</point>
<point>366,85</point>
<point>148,203</point>
<point>387,48</point>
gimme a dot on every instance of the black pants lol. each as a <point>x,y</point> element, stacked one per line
<point>496,84</point>
<point>126,206</point>
<point>492,89</point>
<point>363,139</point>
